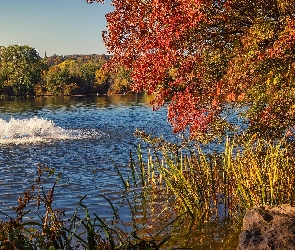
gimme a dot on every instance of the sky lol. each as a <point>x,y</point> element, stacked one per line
<point>62,27</point>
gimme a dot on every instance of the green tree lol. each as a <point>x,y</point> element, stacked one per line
<point>71,77</point>
<point>87,74</point>
<point>121,82</point>
<point>103,81</point>
<point>58,80</point>
<point>20,69</point>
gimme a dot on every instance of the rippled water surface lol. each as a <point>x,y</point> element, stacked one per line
<point>79,136</point>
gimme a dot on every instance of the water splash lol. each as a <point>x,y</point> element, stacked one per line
<point>17,131</point>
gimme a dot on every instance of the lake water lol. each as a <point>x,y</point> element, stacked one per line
<point>79,136</point>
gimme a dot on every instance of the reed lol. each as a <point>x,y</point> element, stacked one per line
<point>218,187</point>
<point>50,229</point>
<point>262,172</point>
<point>176,190</point>
<point>257,172</point>
<point>198,180</point>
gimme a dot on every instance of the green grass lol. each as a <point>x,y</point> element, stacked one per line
<point>249,174</point>
<point>220,187</point>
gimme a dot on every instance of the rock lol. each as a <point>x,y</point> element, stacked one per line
<point>268,228</point>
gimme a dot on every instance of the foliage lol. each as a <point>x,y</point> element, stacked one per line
<point>218,187</point>
<point>57,78</point>
<point>81,59</point>
<point>20,70</point>
<point>82,75</point>
<point>254,173</point>
<point>202,55</point>
<point>24,72</point>
<point>121,82</point>
<point>103,81</point>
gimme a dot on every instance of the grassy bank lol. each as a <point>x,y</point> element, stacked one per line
<point>176,197</point>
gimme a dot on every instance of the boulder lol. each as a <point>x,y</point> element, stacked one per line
<point>268,228</point>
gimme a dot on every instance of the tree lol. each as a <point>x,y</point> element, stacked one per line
<point>63,79</point>
<point>121,82</point>
<point>20,69</point>
<point>56,80</point>
<point>201,55</point>
<point>103,81</point>
<point>87,74</point>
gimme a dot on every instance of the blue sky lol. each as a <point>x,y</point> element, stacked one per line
<point>61,27</point>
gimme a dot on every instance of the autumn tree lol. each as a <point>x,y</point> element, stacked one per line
<point>87,75</point>
<point>58,80</point>
<point>70,77</point>
<point>121,82</point>
<point>103,81</point>
<point>201,55</point>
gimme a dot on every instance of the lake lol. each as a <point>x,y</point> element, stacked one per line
<point>80,136</point>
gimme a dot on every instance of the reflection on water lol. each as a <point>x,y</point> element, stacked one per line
<point>25,104</point>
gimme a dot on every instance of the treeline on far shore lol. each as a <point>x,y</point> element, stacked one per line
<point>24,72</point>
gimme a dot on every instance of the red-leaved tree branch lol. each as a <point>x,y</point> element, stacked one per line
<point>201,55</point>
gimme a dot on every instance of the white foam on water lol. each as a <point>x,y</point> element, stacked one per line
<point>33,130</point>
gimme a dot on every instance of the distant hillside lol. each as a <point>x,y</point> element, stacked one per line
<point>57,59</point>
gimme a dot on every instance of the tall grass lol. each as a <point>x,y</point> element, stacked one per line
<point>50,229</point>
<point>253,173</point>
<point>221,186</point>
<point>170,191</point>
<point>262,172</point>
